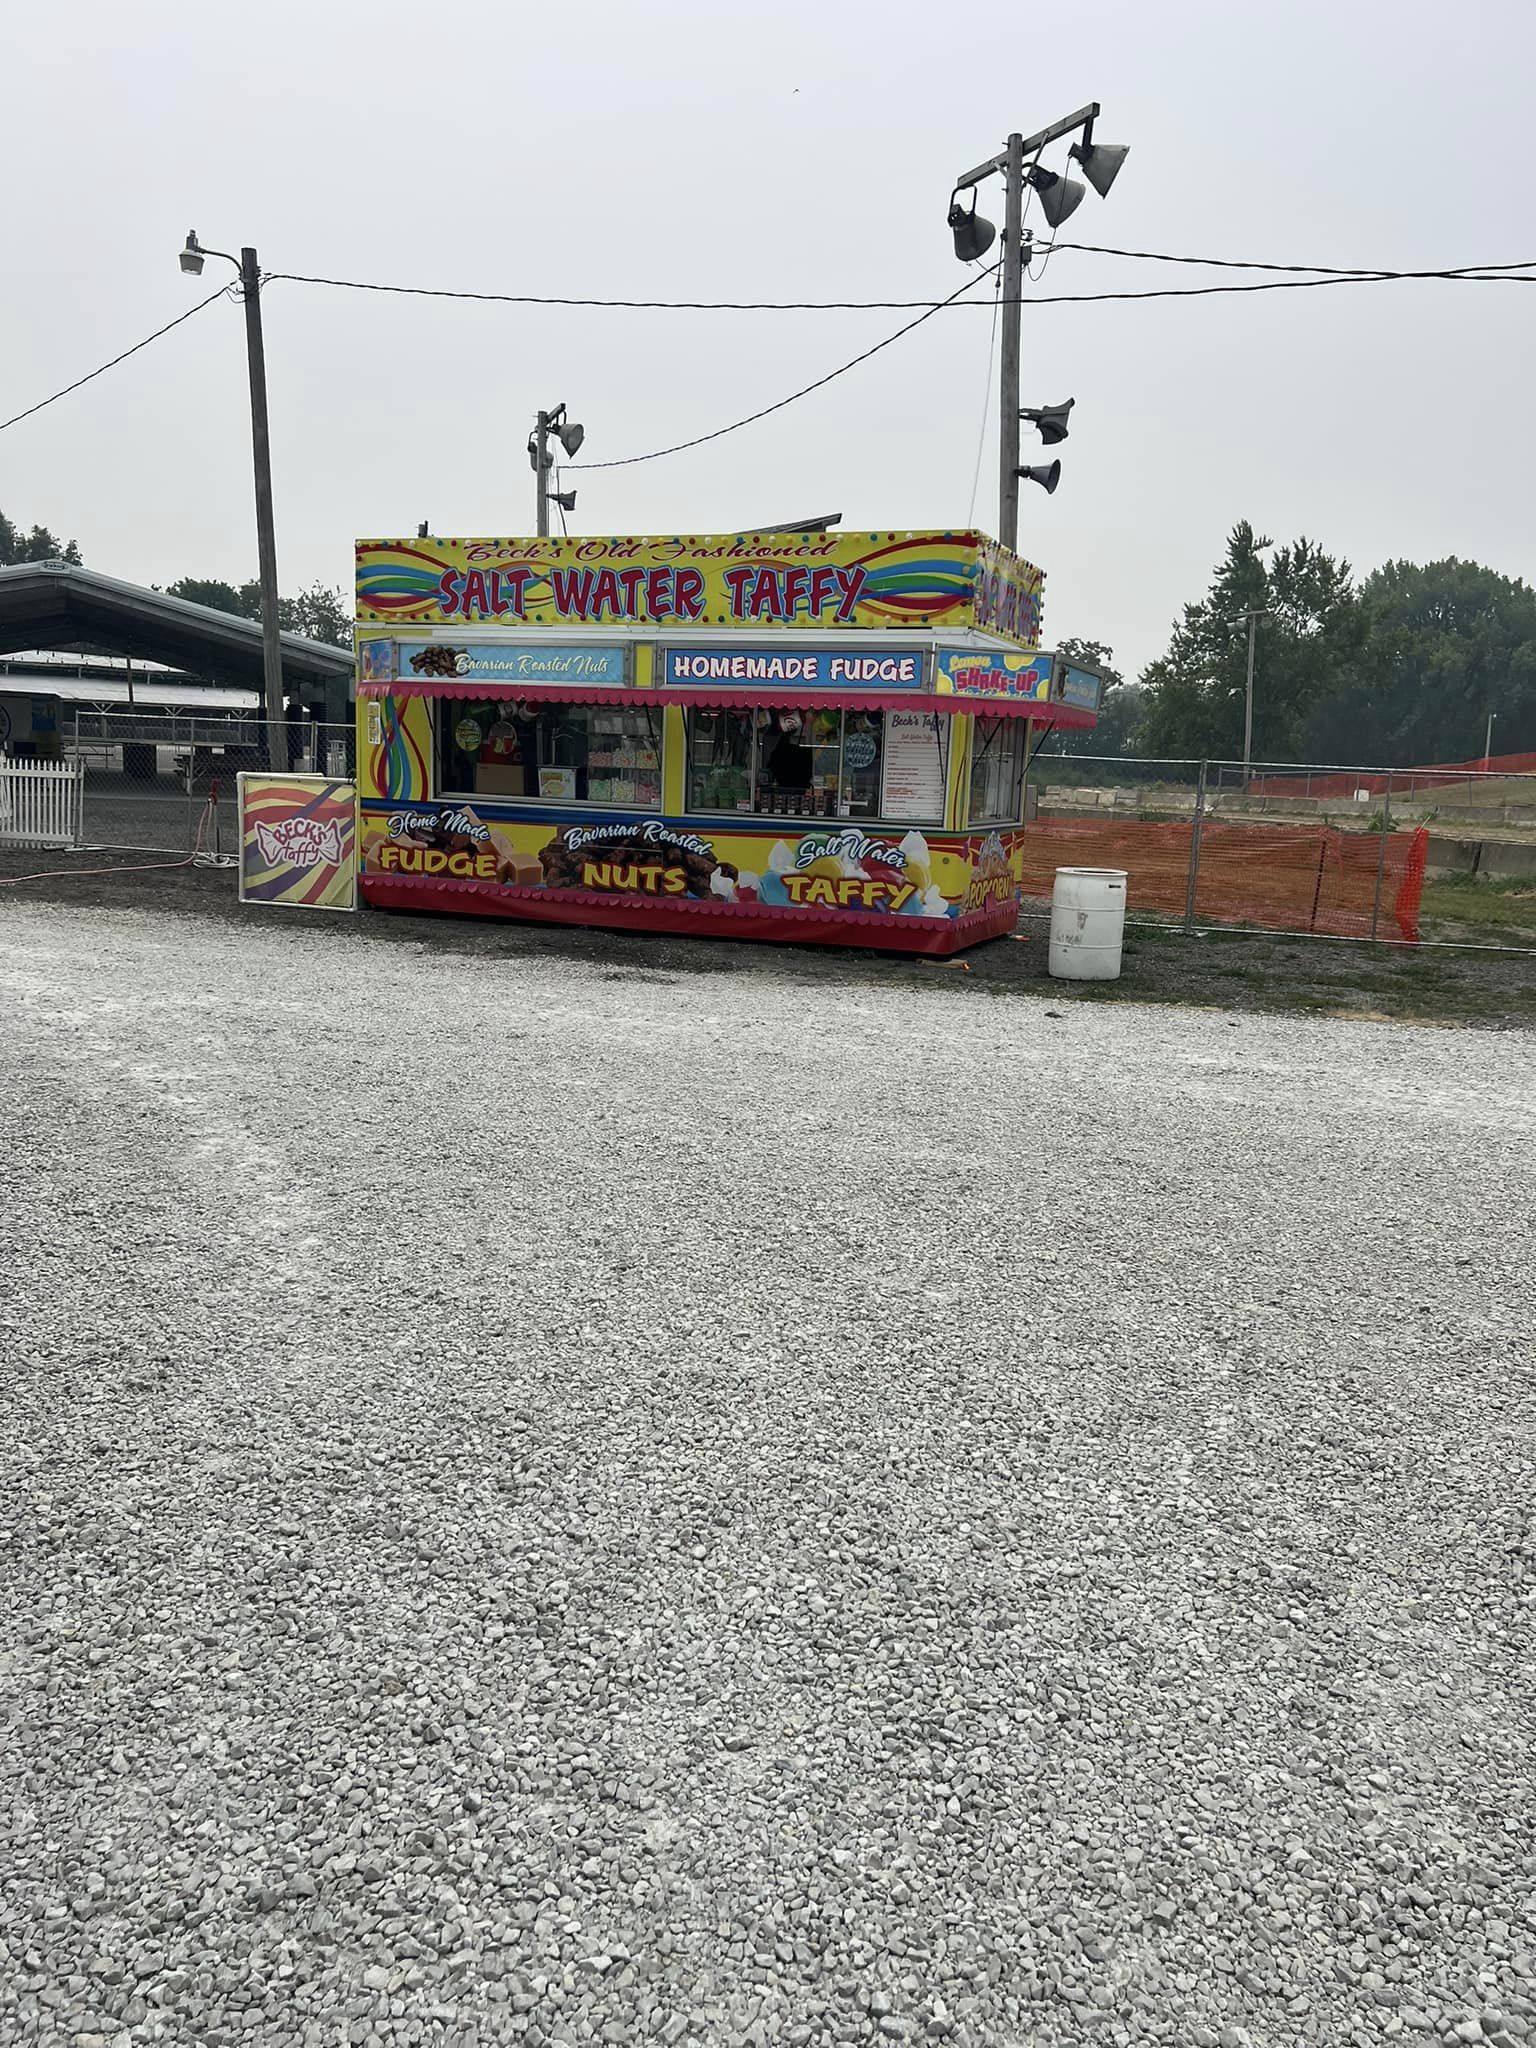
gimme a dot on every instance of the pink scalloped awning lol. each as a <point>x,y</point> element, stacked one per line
<point>1064,717</point>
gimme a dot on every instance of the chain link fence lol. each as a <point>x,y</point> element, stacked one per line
<point>164,782</point>
<point>1327,851</point>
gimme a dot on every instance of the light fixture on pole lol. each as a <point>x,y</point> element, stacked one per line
<point>542,460</point>
<point>1021,169</point>
<point>1058,195</point>
<point>191,260</point>
<point>1100,161</point>
<point>1049,421</point>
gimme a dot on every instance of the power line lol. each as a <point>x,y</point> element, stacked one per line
<point>1473,271</point>
<point>422,291</point>
<point>1315,269</point>
<point>1316,276</point>
<point>628,461</point>
<point>1057,299</point>
<point>91,375</point>
<point>1524,274</point>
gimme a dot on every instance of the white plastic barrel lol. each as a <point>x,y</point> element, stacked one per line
<point>1087,924</point>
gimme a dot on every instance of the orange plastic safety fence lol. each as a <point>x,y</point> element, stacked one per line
<point>1305,878</point>
<point>1401,782</point>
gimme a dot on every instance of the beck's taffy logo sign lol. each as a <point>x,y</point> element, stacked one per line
<point>298,841</point>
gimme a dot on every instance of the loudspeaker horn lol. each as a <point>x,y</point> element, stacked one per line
<point>973,233</point>
<point>1046,474</point>
<point>1050,421</point>
<point>572,436</point>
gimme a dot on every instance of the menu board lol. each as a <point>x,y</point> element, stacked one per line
<point>912,784</point>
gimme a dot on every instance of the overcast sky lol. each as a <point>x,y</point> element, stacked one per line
<point>800,151</point>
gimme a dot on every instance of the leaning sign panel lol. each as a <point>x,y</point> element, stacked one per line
<point>298,841</point>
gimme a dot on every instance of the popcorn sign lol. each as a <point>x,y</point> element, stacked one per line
<point>298,841</point>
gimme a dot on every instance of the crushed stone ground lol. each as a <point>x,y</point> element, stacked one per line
<point>543,1502</point>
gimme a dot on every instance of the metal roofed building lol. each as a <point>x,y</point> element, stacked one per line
<point>59,606</point>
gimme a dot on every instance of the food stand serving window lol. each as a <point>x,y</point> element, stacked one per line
<point>789,761</point>
<point>551,753</point>
<point>997,771</point>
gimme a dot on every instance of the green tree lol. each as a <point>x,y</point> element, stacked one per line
<point>1120,713</point>
<point>1309,634</point>
<point>317,613</point>
<point>1443,644</point>
<point>220,597</point>
<point>37,546</point>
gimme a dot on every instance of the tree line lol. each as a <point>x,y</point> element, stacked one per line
<point>1400,668</point>
<point>318,613</point>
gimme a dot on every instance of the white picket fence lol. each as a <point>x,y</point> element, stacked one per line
<point>41,802</point>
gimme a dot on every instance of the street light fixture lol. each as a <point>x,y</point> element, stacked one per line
<point>1020,166</point>
<point>1059,196</point>
<point>541,460</point>
<point>191,259</point>
<point>1100,161</point>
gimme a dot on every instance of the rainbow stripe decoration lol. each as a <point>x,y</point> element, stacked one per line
<point>748,582</point>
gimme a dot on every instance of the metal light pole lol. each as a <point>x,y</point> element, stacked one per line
<point>261,452</point>
<point>1100,163</point>
<point>1488,744</point>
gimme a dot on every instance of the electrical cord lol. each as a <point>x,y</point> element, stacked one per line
<point>199,857</point>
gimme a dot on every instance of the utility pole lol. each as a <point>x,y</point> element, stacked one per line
<point>1012,311</point>
<point>1253,615</point>
<point>541,466</point>
<point>1488,744</point>
<point>1020,167</point>
<point>266,536</point>
<point>570,437</point>
<point>191,260</point>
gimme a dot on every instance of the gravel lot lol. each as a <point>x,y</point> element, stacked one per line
<point>552,1502</point>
